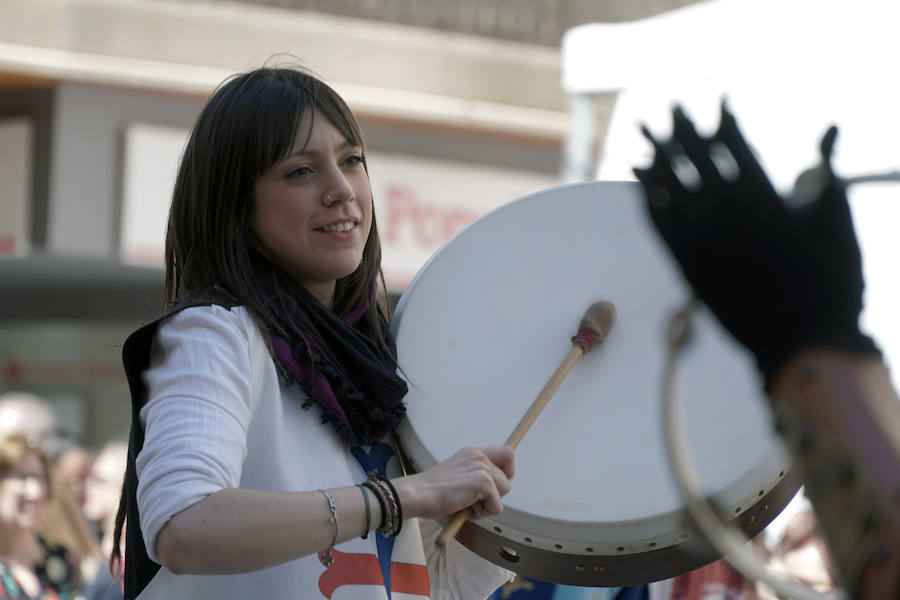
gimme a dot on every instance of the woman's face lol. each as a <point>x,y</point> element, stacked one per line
<point>313,210</point>
<point>23,491</point>
<point>72,469</point>
<point>104,485</point>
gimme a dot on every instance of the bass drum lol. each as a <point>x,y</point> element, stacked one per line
<point>487,320</point>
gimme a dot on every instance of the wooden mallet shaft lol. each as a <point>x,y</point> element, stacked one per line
<point>594,326</point>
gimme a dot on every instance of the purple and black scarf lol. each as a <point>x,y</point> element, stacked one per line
<point>341,366</point>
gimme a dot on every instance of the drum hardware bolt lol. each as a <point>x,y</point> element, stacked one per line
<point>498,530</point>
<point>528,540</point>
<point>508,554</point>
<point>781,473</point>
<point>737,510</point>
<point>765,509</point>
<point>761,493</point>
<point>652,544</point>
<point>751,520</point>
<point>557,546</point>
<point>579,567</point>
<point>588,549</point>
<point>620,549</point>
<point>598,568</point>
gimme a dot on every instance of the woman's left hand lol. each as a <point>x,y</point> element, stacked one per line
<point>472,477</point>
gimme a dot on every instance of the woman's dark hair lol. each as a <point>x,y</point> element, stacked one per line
<point>250,123</point>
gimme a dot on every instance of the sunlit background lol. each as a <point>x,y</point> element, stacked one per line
<point>460,101</point>
<point>465,104</point>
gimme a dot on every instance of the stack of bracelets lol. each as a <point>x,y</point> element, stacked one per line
<point>391,511</point>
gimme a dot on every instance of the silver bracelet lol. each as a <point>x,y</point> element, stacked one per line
<point>327,557</point>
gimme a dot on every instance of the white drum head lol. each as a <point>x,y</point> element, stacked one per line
<point>489,318</point>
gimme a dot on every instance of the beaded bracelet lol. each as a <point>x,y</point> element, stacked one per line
<point>391,510</point>
<point>390,524</point>
<point>399,507</point>
<point>384,511</point>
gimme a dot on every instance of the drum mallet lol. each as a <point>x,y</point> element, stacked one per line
<point>594,326</point>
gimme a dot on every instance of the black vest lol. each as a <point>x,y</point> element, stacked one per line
<point>139,569</point>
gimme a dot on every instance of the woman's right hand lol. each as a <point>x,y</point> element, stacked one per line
<point>472,477</point>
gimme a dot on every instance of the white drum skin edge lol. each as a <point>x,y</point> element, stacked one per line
<point>487,320</point>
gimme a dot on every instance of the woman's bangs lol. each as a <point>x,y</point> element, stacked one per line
<point>279,122</point>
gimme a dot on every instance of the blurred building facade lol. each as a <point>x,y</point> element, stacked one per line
<point>460,102</point>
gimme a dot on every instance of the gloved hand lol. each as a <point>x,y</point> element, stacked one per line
<point>779,278</point>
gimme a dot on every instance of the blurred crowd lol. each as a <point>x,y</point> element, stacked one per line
<point>58,501</point>
<point>791,547</point>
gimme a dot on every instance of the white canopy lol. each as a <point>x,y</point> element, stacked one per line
<point>801,41</point>
<point>788,68</point>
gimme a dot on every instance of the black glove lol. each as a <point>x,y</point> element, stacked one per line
<point>779,278</point>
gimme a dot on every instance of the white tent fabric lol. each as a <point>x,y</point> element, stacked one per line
<point>788,68</point>
<point>768,40</point>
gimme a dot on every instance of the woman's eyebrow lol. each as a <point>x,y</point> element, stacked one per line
<point>306,151</point>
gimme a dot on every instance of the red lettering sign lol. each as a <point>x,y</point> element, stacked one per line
<point>428,224</point>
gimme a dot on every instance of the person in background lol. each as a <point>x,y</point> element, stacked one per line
<point>24,490</point>
<point>65,525</point>
<point>27,414</point>
<point>103,487</point>
<point>785,279</point>
<point>801,553</point>
<point>69,551</point>
<point>71,468</point>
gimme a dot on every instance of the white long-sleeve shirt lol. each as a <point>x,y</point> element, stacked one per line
<point>218,417</point>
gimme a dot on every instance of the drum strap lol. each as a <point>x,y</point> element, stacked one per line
<point>405,463</point>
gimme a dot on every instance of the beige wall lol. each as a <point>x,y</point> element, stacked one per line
<point>386,70</point>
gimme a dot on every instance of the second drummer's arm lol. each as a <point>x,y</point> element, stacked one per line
<point>840,418</point>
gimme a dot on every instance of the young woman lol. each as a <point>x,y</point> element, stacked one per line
<point>264,396</point>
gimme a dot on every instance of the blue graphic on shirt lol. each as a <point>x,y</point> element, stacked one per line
<point>375,458</point>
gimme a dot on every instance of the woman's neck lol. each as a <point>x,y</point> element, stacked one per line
<point>323,292</point>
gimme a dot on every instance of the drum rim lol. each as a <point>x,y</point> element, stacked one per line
<point>635,568</point>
